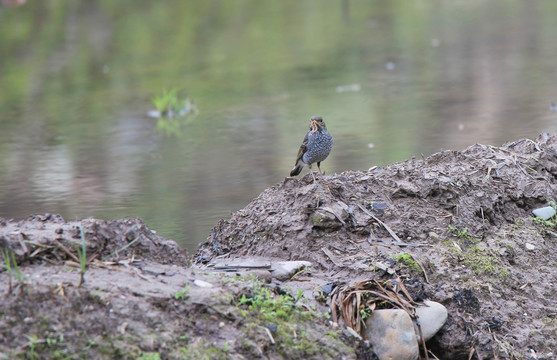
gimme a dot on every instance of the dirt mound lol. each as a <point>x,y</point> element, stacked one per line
<point>456,225</point>
<point>49,237</point>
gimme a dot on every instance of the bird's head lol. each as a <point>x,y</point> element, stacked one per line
<point>317,123</point>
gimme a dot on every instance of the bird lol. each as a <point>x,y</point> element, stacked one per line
<point>315,148</point>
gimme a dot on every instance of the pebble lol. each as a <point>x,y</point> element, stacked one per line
<point>432,317</point>
<point>202,284</point>
<point>328,288</point>
<point>529,247</point>
<point>545,212</point>
<point>284,270</point>
<point>391,334</point>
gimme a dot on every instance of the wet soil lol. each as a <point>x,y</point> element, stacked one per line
<point>455,227</point>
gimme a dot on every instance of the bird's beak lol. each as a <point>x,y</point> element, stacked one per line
<point>314,127</point>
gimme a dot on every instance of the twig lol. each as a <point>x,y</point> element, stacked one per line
<point>270,335</point>
<point>332,212</point>
<point>421,267</point>
<point>391,232</point>
<point>225,266</point>
<point>66,250</point>
<point>520,167</point>
<point>330,256</point>
<point>117,251</point>
<point>303,270</point>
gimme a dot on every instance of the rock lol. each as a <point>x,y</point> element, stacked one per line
<point>391,334</point>
<point>545,212</point>
<point>272,328</point>
<point>351,333</point>
<point>529,247</point>
<point>263,275</point>
<point>328,288</point>
<point>202,284</point>
<point>284,270</point>
<point>432,317</point>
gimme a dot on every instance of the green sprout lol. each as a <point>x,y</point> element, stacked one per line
<point>182,293</point>
<point>82,254</point>
<point>12,268</point>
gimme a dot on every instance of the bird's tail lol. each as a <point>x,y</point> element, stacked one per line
<point>297,169</point>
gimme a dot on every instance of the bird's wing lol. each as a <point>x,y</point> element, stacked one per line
<point>303,148</point>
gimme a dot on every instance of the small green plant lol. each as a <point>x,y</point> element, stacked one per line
<point>182,294</point>
<point>149,356</point>
<point>203,350</point>
<point>406,259</point>
<point>476,258</point>
<point>166,102</point>
<point>169,104</point>
<point>82,255</point>
<point>461,233</point>
<point>12,268</point>
<point>365,312</point>
<point>170,107</point>
<point>32,353</point>
<point>549,223</point>
<point>482,261</point>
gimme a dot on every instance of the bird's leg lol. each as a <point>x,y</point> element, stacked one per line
<point>313,176</point>
<point>319,167</point>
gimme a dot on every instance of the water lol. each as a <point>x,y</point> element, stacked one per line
<point>391,79</point>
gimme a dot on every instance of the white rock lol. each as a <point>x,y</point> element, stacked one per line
<point>202,284</point>
<point>545,212</point>
<point>391,334</point>
<point>432,317</point>
<point>529,246</point>
<point>284,270</point>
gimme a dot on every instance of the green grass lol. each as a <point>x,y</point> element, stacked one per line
<point>203,350</point>
<point>479,260</point>
<point>261,307</point>
<point>182,294</point>
<point>12,268</point>
<point>407,260</point>
<point>82,255</point>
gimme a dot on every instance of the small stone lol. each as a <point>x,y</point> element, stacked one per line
<point>432,317</point>
<point>529,247</point>
<point>272,328</point>
<point>284,270</point>
<point>202,284</point>
<point>545,212</point>
<point>328,288</point>
<point>349,332</point>
<point>391,334</point>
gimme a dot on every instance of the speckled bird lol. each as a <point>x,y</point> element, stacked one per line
<point>315,147</point>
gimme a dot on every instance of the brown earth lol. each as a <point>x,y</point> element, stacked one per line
<point>454,227</point>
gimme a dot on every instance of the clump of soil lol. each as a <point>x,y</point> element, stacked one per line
<point>454,225</point>
<point>49,237</point>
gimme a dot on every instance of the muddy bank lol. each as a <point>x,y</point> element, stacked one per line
<point>456,228</point>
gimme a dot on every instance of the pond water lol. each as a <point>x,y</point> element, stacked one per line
<point>392,80</point>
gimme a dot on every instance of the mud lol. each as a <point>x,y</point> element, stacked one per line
<point>463,216</point>
<point>453,227</point>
